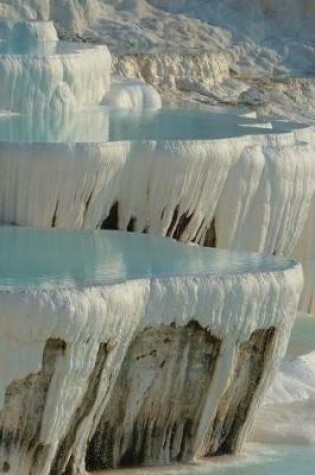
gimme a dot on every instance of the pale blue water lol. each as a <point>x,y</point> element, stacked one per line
<point>302,340</point>
<point>38,257</point>
<point>103,124</point>
<point>259,460</point>
<point>274,460</point>
<point>42,49</point>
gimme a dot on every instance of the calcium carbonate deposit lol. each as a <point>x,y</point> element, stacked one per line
<point>124,349</point>
<point>219,179</point>
<point>120,349</point>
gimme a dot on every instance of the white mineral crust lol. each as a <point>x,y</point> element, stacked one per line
<point>249,193</point>
<point>72,343</point>
<point>27,31</point>
<point>48,79</point>
<point>132,94</point>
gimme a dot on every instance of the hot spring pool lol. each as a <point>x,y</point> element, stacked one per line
<point>67,258</point>
<point>35,50</point>
<point>259,460</point>
<point>104,124</point>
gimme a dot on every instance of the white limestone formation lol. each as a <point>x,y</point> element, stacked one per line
<point>199,71</point>
<point>259,53</point>
<point>60,169</point>
<point>52,77</point>
<point>186,188</point>
<point>305,252</point>
<point>102,333</point>
<point>27,31</point>
<point>246,193</point>
<point>286,414</point>
<point>132,94</point>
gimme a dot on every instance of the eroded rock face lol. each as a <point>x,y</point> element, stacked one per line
<point>101,370</point>
<point>21,416</point>
<point>158,398</point>
<point>156,407</point>
<point>225,434</point>
<point>163,391</point>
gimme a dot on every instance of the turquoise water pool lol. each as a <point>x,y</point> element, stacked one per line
<point>33,257</point>
<point>302,339</point>
<point>42,49</point>
<point>259,460</point>
<point>103,124</point>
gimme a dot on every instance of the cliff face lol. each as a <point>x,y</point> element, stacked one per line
<point>97,374</point>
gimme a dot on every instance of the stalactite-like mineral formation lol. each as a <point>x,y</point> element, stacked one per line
<point>217,179</point>
<point>119,349</point>
<point>123,349</point>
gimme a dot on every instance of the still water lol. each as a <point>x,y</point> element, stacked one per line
<point>31,257</point>
<point>103,124</point>
<point>258,460</point>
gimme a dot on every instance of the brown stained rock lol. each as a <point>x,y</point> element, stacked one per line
<point>157,400</point>
<point>178,224</point>
<point>25,399</point>
<point>155,406</point>
<point>211,238</point>
<point>183,223</point>
<point>169,232</point>
<point>63,461</point>
<point>236,402</point>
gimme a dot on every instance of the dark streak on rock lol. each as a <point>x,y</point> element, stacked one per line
<point>63,459</point>
<point>211,238</point>
<point>131,225</point>
<point>87,204</point>
<point>173,222</point>
<point>28,396</point>
<point>236,402</point>
<point>182,224</point>
<point>54,218</point>
<point>178,225</point>
<point>112,220</point>
<point>164,413</point>
<point>6,466</point>
<point>195,238</point>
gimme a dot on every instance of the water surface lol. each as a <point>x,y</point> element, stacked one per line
<point>103,124</point>
<point>37,257</point>
<point>259,460</point>
<point>34,49</point>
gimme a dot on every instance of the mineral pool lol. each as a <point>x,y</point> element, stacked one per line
<point>54,257</point>
<point>103,124</point>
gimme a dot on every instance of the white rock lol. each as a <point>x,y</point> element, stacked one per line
<point>34,31</point>
<point>246,193</point>
<point>131,94</point>
<point>287,413</point>
<point>52,77</point>
<point>68,341</point>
